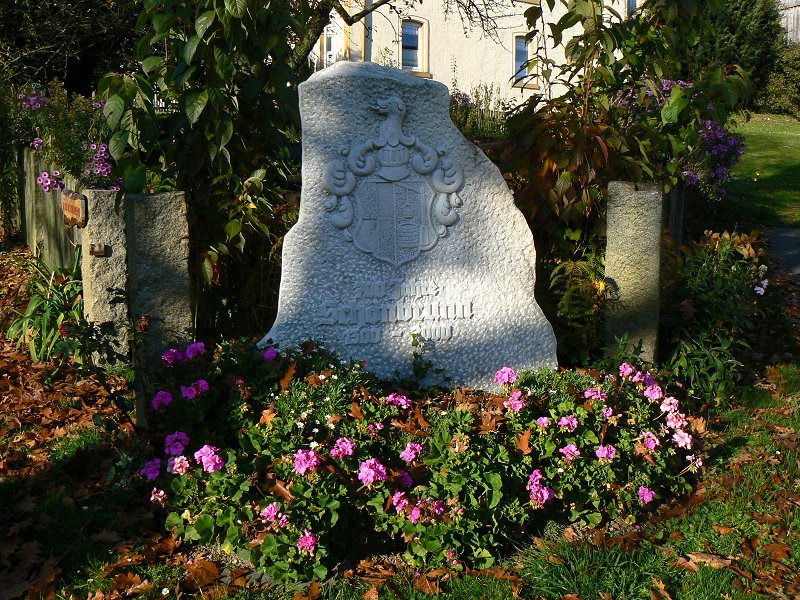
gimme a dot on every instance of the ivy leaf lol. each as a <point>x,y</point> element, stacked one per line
<point>195,104</point>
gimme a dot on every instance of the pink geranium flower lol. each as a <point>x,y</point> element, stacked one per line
<point>207,457</point>
<point>570,452</point>
<point>158,496</point>
<point>606,453</point>
<point>626,370</point>
<point>543,422</point>
<point>539,493</point>
<point>650,440</point>
<point>506,376</point>
<point>682,439</point>
<point>570,423</point>
<point>646,495</point>
<point>515,403</point>
<point>411,452</point>
<point>400,501</point>
<point>307,543</point>
<point>306,461</point>
<point>595,393</point>
<point>398,400</point>
<point>653,392</point>
<point>178,465</point>
<point>371,471</point>
<point>344,446</point>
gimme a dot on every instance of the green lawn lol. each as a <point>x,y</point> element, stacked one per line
<point>765,187</point>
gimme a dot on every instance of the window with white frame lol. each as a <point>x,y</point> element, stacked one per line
<point>412,45</point>
<point>523,53</point>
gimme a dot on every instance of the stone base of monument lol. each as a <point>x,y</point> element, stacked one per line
<point>406,232</point>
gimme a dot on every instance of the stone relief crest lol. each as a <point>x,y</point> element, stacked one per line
<point>393,196</point>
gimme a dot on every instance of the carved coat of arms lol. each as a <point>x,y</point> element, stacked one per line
<point>393,196</point>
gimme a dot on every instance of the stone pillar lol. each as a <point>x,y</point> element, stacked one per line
<point>158,263</point>
<point>633,262</point>
<point>104,266</point>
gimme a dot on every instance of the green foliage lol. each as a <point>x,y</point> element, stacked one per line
<point>222,73</point>
<point>53,314</point>
<point>748,33</point>
<point>719,292</point>
<point>481,114</point>
<point>578,286</point>
<point>467,496</point>
<point>781,94</point>
<point>76,40</point>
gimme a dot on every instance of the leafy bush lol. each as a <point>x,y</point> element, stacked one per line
<point>54,312</point>
<point>781,94</point>
<point>719,292</point>
<point>747,32</point>
<point>480,114</point>
<point>295,462</point>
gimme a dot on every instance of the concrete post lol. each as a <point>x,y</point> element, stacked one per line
<point>633,262</point>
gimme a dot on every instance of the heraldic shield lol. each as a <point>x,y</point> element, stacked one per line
<point>394,223</point>
<point>393,196</point>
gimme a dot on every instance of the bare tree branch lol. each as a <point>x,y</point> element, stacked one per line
<point>353,19</point>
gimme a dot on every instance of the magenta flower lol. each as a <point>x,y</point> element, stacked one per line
<point>306,461</point>
<point>398,400</point>
<point>400,501</point>
<point>570,423</point>
<point>639,377</point>
<point>270,354</point>
<point>344,446</point>
<point>595,393</point>
<point>272,514</point>
<point>195,349</point>
<point>650,440</point>
<point>438,508</point>
<point>570,452</point>
<point>543,422</point>
<point>208,457</point>
<point>539,493</point>
<point>371,471</point>
<point>416,514</point>
<point>405,478</point>
<point>515,402</point>
<point>506,376</point>
<point>175,443</point>
<point>178,465</point>
<point>607,412</point>
<point>161,398</point>
<point>411,452</point>
<point>307,543</point>
<point>172,356</point>
<point>158,496</point>
<point>646,495</point>
<point>151,469</point>
<point>606,453</point>
<point>188,391</point>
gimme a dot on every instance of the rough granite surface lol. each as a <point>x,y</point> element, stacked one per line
<point>633,265</point>
<point>105,278</point>
<point>405,228</point>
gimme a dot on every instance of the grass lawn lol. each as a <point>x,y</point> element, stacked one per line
<point>764,189</point>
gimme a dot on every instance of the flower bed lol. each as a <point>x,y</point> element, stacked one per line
<point>293,461</point>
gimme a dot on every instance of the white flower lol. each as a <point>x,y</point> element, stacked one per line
<point>334,377</point>
<point>315,430</point>
<point>300,424</point>
<point>313,444</point>
<point>165,592</point>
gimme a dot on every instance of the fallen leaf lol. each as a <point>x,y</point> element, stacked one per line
<point>660,591</point>
<point>686,565</point>
<point>722,529</point>
<point>356,412</point>
<point>200,572</point>
<point>715,561</point>
<point>777,550</point>
<point>523,442</point>
<point>312,592</point>
<point>426,586</point>
<point>267,416</point>
<point>287,378</point>
<point>371,594</point>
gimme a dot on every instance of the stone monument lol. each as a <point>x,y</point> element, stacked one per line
<point>405,230</point>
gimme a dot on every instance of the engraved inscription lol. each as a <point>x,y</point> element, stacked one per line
<point>381,306</point>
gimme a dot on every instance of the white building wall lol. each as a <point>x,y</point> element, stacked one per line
<point>451,52</point>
